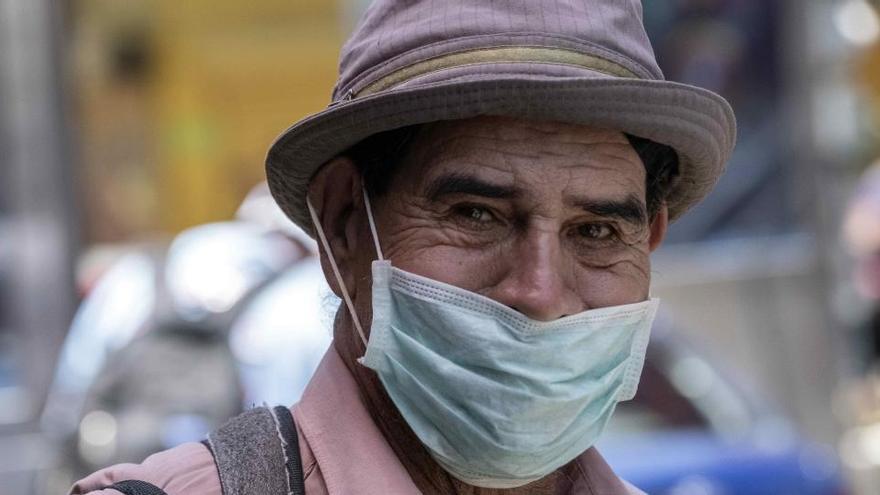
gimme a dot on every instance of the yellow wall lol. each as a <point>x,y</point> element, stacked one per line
<point>226,77</point>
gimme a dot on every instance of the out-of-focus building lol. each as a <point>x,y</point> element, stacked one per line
<point>177,102</point>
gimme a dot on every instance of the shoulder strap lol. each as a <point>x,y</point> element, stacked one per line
<point>290,442</point>
<point>136,487</point>
<point>257,453</point>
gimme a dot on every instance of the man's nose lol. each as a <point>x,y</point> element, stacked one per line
<point>539,283</point>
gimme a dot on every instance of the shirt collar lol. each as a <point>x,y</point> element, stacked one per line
<point>352,453</point>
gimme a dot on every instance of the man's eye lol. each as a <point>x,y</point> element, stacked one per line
<point>596,231</point>
<point>474,214</point>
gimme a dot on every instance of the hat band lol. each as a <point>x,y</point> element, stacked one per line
<point>515,54</point>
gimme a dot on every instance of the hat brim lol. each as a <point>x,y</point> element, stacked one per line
<point>695,122</point>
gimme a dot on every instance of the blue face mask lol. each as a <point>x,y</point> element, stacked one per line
<point>499,400</point>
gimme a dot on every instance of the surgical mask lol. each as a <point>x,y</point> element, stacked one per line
<point>498,399</point>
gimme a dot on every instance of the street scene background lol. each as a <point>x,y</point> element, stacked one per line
<point>149,289</point>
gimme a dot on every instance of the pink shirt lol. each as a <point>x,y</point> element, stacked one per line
<point>342,452</point>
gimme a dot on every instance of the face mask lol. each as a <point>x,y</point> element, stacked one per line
<point>499,400</point>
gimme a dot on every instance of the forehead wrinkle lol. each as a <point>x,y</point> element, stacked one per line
<point>506,129</point>
<point>607,183</point>
<point>609,174</point>
<point>518,126</point>
<point>447,152</point>
<point>494,170</point>
<point>517,159</point>
<point>476,145</point>
<point>616,189</point>
<point>507,169</point>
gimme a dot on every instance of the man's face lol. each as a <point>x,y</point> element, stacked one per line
<point>544,217</point>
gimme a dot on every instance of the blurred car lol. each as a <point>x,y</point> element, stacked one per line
<point>153,357</point>
<point>172,341</point>
<point>692,430</point>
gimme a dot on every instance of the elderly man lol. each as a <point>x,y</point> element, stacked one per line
<point>487,187</point>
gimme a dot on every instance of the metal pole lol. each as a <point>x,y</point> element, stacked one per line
<point>38,181</point>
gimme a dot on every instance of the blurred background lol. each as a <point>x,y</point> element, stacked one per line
<point>149,289</point>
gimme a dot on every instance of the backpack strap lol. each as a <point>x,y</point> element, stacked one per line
<point>290,442</point>
<point>136,487</point>
<point>257,453</point>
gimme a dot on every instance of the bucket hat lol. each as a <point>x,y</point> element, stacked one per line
<point>577,61</point>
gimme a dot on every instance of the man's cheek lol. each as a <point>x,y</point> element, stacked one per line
<point>624,282</point>
<point>470,269</point>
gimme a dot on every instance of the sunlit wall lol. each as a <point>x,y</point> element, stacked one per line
<point>177,102</point>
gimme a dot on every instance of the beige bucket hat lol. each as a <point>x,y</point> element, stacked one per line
<point>578,61</point>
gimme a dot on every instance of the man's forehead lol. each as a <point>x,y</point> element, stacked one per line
<point>511,128</point>
<point>506,149</point>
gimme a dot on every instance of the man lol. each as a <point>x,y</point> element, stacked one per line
<point>486,186</point>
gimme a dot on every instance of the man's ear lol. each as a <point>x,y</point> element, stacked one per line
<point>335,194</point>
<point>658,227</point>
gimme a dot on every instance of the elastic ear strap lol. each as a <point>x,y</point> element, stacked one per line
<point>320,230</point>
<point>372,223</point>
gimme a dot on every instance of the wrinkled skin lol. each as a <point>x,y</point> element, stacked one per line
<point>547,218</point>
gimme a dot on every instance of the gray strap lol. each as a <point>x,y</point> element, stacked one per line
<point>250,455</point>
<point>287,431</point>
<point>136,487</point>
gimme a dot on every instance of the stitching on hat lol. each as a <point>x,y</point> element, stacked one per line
<point>403,98</point>
<point>484,77</point>
<point>633,83</point>
<point>513,54</point>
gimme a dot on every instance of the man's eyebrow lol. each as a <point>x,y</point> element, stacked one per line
<point>457,183</point>
<point>631,209</point>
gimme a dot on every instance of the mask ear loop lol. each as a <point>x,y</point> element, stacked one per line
<point>372,224</point>
<point>320,230</point>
